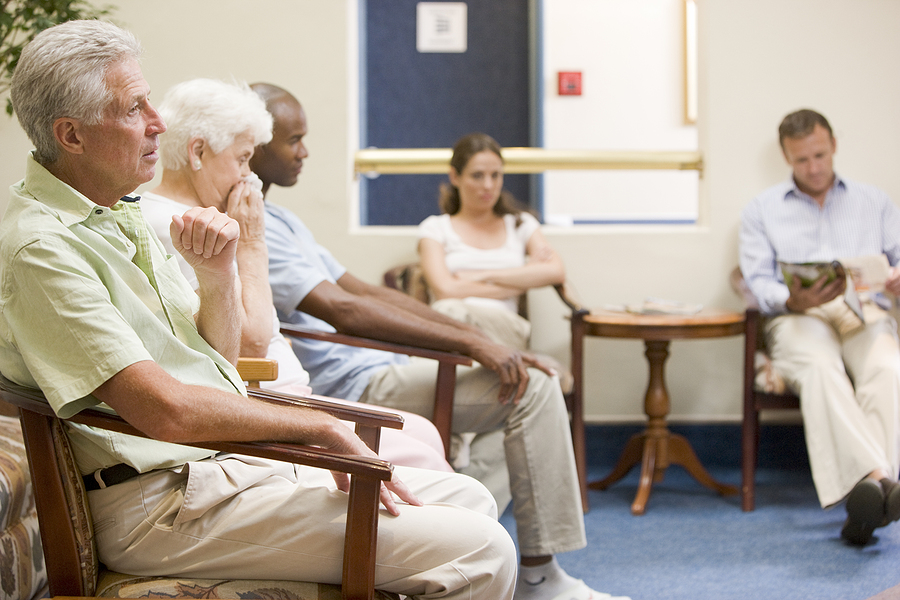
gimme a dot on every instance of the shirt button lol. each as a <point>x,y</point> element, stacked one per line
<point>99,211</point>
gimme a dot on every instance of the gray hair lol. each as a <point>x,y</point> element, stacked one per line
<point>214,111</point>
<point>62,73</point>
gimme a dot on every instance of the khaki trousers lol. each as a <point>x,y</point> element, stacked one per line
<point>848,378</point>
<point>502,326</point>
<point>537,442</point>
<point>239,517</point>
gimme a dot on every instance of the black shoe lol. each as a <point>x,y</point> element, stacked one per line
<point>891,491</point>
<point>865,512</point>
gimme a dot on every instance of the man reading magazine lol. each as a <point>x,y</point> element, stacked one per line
<point>845,366</point>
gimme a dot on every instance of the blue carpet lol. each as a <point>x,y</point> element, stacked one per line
<point>692,544</point>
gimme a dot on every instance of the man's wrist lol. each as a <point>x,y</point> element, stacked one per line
<point>788,308</point>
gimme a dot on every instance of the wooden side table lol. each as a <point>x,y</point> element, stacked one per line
<point>656,447</point>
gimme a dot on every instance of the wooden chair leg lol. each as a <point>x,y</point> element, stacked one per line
<point>750,423</point>
<point>362,525</point>
<point>578,444</point>
<point>443,403</point>
<point>577,404</point>
<point>749,454</point>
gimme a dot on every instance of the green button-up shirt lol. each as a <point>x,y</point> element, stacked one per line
<point>75,310</point>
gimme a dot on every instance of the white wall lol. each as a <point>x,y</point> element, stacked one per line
<point>631,56</point>
<point>759,60</point>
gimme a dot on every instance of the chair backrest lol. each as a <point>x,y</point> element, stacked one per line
<point>754,324</point>
<point>409,279</point>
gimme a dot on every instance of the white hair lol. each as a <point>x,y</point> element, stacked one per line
<point>62,73</point>
<point>214,111</point>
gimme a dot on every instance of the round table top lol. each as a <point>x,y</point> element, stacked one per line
<point>708,323</point>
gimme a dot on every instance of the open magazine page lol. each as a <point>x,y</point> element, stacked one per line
<point>869,273</point>
<point>809,273</point>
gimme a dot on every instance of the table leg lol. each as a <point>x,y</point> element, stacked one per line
<point>681,453</point>
<point>631,455</point>
<point>657,447</point>
<point>649,474</point>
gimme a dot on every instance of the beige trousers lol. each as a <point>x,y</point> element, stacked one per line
<point>537,442</point>
<point>848,377</point>
<point>245,518</point>
<point>481,455</point>
<point>501,325</point>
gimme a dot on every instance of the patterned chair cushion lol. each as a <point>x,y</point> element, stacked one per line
<point>767,379</point>
<point>117,585</point>
<point>22,572</point>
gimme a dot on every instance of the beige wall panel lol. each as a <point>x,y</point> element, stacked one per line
<point>759,60</point>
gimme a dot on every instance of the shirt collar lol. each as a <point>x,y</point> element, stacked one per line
<point>71,205</point>
<point>792,191</point>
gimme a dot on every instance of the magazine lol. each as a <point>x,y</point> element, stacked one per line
<point>660,306</point>
<point>865,275</point>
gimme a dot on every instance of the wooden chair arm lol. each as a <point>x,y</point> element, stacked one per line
<point>361,342</point>
<point>570,298</point>
<point>254,370</point>
<point>34,401</point>
<point>442,415</point>
<point>368,421</point>
<point>357,413</point>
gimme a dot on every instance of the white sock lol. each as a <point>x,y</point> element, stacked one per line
<point>543,582</point>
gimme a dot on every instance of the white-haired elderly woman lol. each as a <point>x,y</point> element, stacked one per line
<point>213,128</point>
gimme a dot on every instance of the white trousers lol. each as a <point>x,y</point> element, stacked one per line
<point>848,378</point>
<point>245,518</point>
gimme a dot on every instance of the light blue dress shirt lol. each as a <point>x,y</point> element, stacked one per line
<point>784,224</point>
<point>297,264</point>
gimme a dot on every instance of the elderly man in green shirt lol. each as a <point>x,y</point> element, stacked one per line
<point>93,312</point>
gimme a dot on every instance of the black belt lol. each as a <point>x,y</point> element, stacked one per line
<point>110,476</point>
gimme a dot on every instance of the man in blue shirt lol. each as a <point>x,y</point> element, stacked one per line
<point>846,370</point>
<point>508,390</point>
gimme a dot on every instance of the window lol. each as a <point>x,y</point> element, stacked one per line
<point>632,60</point>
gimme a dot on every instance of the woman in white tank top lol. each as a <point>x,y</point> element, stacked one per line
<point>484,250</point>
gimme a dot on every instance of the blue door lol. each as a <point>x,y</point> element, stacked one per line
<point>429,100</point>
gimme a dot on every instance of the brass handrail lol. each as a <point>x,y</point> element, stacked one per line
<point>525,160</point>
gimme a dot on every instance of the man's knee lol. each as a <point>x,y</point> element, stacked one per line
<point>543,386</point>
<point>449,488</point>
<point>543,399</point>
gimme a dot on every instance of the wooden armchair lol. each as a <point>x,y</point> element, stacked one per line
<point>410,279</point>
<point>446,375</point>
<point>763,390</point>
<point>64,513</point>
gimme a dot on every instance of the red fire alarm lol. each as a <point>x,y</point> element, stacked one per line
<point>570,83</point>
